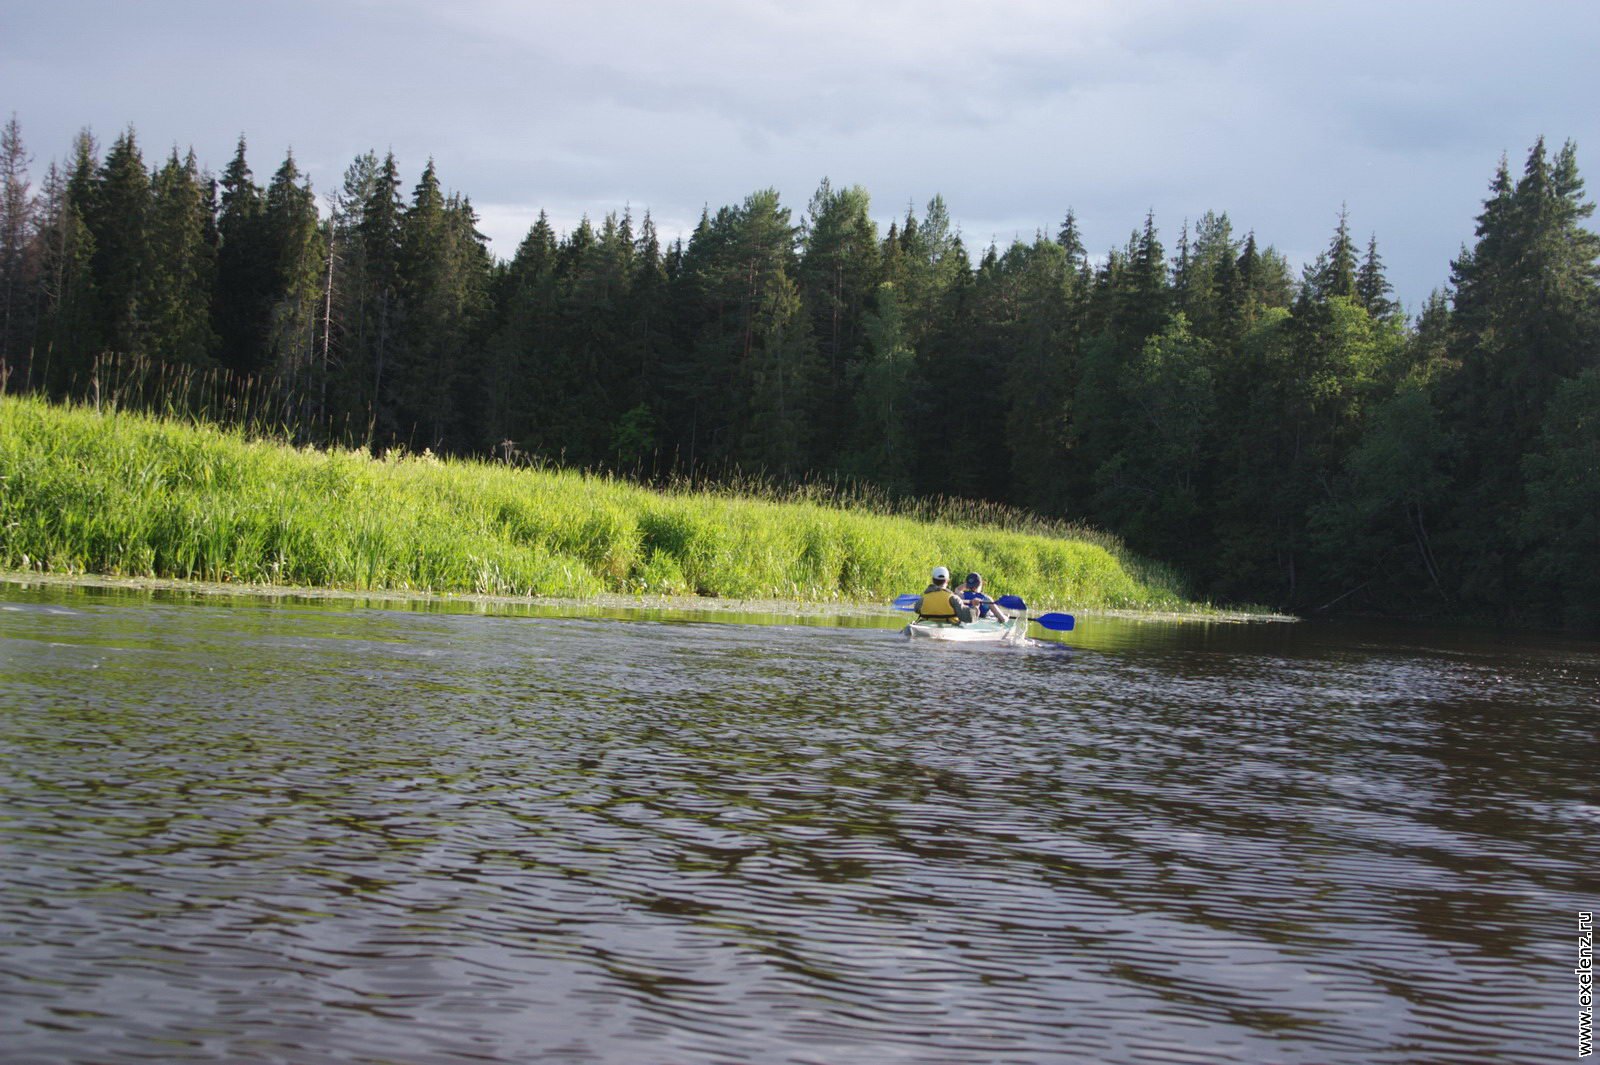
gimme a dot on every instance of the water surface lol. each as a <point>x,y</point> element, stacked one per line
<point>247,831</point>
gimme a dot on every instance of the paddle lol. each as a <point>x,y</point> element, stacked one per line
<point>910,600</point>
<point>1056,622</point>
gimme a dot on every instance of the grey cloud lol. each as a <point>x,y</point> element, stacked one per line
<point>1276,113</point>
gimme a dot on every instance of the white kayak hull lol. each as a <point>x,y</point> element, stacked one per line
<point>983,630</point>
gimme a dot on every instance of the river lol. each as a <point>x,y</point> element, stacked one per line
<point>253,831</point>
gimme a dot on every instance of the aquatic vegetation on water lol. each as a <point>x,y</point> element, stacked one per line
<point>121,493</point>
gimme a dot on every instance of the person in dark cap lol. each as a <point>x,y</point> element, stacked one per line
<point>974,597</point>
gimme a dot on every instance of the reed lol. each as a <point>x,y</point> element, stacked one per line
<point>123,492</point>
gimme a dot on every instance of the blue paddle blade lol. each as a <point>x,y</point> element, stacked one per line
<point>1056,622</point>
<point>908,601</point>
<point>1012,602</point>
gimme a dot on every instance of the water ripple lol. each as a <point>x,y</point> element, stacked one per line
<point>285,833</point>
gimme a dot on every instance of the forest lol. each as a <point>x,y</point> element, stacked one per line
<point>1285,437</point>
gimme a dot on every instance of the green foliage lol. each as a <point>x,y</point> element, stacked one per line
<point>121,493</point>
<point>1150,487</point>
<point>242,299</point>
<point>118,214</point>
<point>1560,528</point>
<point>1293,441</point>
<point>15,224</point>
<point>1394,487</point>
<point>177,283</point>
<point>295,243</point>
<point>1525,320</point>
<point>882,373</point>
<point>839,273</point>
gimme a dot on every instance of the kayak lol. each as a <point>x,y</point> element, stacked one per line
<point>982,630</point>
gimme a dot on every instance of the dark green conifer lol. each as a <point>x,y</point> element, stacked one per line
<point>1372,287</point>
<point>119,219</point>
<point>177,283</point>
<point>292,236</point>
<point>242,296</point>
<point>16,226</point>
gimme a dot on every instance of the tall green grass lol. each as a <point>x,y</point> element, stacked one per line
<point>121,493</point>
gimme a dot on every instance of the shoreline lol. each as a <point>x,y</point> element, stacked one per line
<point>607,601</point>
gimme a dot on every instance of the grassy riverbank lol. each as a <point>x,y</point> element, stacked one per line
<point>127,494</point>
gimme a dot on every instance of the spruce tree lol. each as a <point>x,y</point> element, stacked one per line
<point>738,273</point>
<point>443,270</point>
<point>381,316</point>
<point>292,235</point>
<point>525,337</point>
<point>1071,242</point>
<point>838,276</point>
<point>637,436</point>
<point>1526,320</point>
<point>119,219</point>
<point>779,377</point>
<point>16,225</point>
<point>1149,487</point>
<point>242,296</point>
<point>65,331</point>
<point>1334,272</point>
<point>1372,287</point>
<point>1038,372</point>
<point>177,284</point>
<point>1559,531</point>
<point>880,442</point>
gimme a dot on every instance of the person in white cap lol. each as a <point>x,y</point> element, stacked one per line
<point>939,603</point>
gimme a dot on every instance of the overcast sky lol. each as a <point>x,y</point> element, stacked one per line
<point>1276,112</point>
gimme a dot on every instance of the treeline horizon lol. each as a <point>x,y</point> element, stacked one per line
<point>1281,437</point>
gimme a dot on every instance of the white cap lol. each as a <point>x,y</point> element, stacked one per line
<point>940,573</point>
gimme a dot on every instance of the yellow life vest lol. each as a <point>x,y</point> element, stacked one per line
<point>937,604</point>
